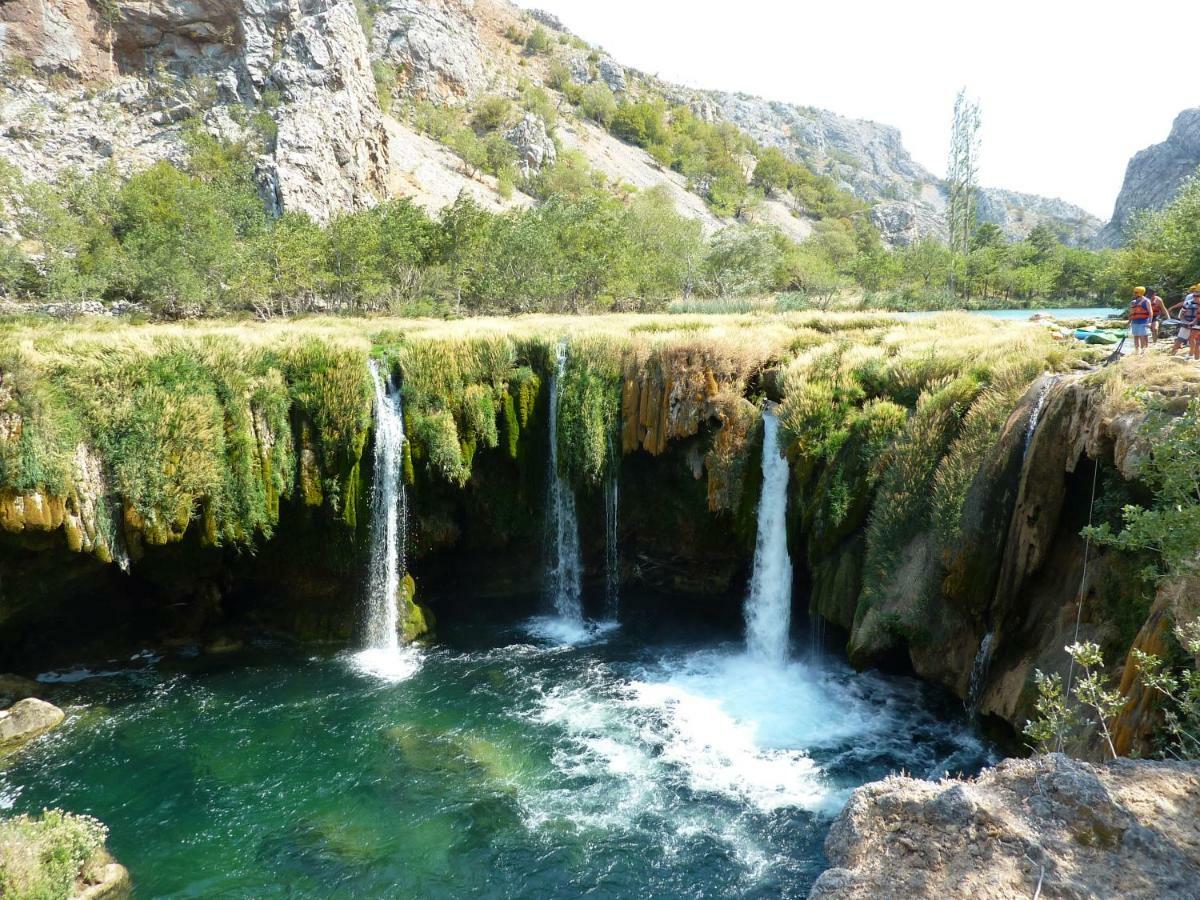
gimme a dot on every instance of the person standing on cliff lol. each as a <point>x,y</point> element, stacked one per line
<point>1141,310</point>
<point>1158,311</point>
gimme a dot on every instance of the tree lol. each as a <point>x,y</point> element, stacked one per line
<point>598,103</point>
<point>962,172</point>
<point>463,231</point>
<point>988,234</point>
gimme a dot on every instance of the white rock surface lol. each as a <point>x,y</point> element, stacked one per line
<point>436,42</point>
<point>1048,826</point>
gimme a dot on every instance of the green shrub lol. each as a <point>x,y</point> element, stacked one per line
<point>40,858</point>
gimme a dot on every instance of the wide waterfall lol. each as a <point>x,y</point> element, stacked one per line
<point>769,606</point>
<point>383,655</point>
<point>564,566</point>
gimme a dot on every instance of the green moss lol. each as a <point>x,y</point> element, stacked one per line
<point>415,620</point>
<point>409,475</point>
<point>512,427</point>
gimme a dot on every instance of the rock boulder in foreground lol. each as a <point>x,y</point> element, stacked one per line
<point>26,720</point>
<point>1127,829</point>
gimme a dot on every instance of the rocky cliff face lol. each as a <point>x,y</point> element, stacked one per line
<point>115,88</point>
<point>1154,176</point>
<point>117,80</point>
<point>871,161</point>
<point>1047,826</point>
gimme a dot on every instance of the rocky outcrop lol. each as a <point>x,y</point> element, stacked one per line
<point>1155,175</point>
<point>435,45</point>
<point>331,149</point>
<point>305,63</point>
<point>1047,826</point>
<point>65,37</point>
<point>612,74</point>
<point>533,144</point>
<point>1018,214</point>
<point>25,720</point>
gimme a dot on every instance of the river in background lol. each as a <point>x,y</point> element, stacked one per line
<point>1089,312</point>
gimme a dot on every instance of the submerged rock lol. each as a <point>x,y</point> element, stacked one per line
<point>25,721</point>
<point>1048,825</point>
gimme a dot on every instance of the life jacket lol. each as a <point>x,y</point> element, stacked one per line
<point>1189,311</point>
<point>1140,310</point>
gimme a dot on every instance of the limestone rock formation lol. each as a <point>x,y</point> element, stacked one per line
<point>166,61</point>
<point>1154,175</point>
<point>533,144</point>
<point>436,45</point>
<point>1047,826</point>
<point>67,37</point>
<point>26,720</point>
<point>612,74</point>
<point>331,149</point>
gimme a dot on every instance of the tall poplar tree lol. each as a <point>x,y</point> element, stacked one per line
<point>962,172</point>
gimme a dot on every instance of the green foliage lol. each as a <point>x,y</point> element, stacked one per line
<point>589,409</point>
<point>1180,688</point>
<point>1059,719</point>
<point>598,103</point>
<point>642,123</point>
<point>539,41</point>
<point>40,858</point>
<point>1170,527</point>
<point>492,113</point>
<point>385,82</point>
<point>742,259</point>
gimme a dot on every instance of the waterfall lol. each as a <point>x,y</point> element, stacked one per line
<point>389,513</point>
<point>1036,416</point>
<point>769,606</point>
<point>612,553</point>
<point>564,567</point>
<point>979,671</point>
<point>816,637</point>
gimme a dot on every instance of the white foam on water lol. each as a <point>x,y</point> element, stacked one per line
<point>391,664</point>
<point>568,632</point>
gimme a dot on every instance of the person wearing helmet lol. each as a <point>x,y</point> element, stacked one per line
<point>1189,322</point>
<point>1159,313</point>
<point>1141,311</point>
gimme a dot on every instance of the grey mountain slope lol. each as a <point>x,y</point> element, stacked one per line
<point>1155,175</point>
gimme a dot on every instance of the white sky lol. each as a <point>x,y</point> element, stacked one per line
<point>1069,90</point>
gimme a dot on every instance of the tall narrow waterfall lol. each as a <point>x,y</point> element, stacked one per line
<point>564,567</point>
<point>769,607</point>
<point>612,536</point>
<point>389,512</point>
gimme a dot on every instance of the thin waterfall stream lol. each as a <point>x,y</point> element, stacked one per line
<point>564,566</point>
<point>768,609</point>
<point>1035,417</point>
<point>612,537</point>
<point>979,673</point>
